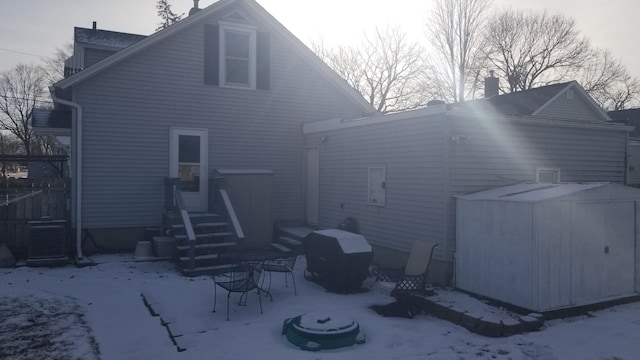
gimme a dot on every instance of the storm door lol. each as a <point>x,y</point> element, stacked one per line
<point>188,162</point>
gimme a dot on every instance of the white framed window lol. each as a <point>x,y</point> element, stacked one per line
<point>237,55</point>
<point>548,175</point>
<point>377,187</point>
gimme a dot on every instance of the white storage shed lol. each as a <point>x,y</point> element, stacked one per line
<point>549,246</point>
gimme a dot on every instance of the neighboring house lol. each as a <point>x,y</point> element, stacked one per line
<point>397,174</point>
<point>92,45</point>
<point>226,88</point>
<point>631,117</point>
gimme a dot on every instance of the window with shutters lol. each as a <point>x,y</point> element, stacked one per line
<point>237,55</point>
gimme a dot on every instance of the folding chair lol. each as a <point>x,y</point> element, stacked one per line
<point>414,274</point>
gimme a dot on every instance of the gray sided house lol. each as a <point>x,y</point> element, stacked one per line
<point>631,117</point>
<point>398,174</point>
<point>226,88</point>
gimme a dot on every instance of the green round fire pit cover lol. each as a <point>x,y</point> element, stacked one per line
<point>317,331</point>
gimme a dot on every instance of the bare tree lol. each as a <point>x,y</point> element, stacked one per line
<point>9,145</point>
<point>167,15</point>
<point>386,68</point>
<point>54,65</point>
<point>455,29</point>
<point>21,89</point>
<point>607,80</point>
<point>534,48</point>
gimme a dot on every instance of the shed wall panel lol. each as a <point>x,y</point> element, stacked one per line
<point>552,255</point>
<point>495,257</point>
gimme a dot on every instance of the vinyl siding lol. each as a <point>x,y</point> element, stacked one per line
<point>577,108</point>
<point>413,153</point>
<point>499,152</point>
<point>92,56</point>
<point>129,109</point>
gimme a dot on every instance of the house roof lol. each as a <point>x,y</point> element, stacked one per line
<point>528,102</point>
<point>51,118</point>
<point>519,103</point>
<point>256,10</point>
<point>531,192</point>
<point>105,38</point>
<point>524,106</point>
<point>629,117</point>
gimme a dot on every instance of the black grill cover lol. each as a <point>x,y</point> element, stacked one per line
<point>338,259</point>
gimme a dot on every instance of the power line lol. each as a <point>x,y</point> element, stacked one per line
<point>25,53</point>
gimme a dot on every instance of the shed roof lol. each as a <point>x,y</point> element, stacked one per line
<point>532,192</point>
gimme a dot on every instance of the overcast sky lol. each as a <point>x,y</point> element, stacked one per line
<point>30,29</point>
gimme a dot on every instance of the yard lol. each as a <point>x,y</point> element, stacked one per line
<point>98,313</point>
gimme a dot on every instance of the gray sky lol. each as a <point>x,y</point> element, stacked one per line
<point>37,27</point>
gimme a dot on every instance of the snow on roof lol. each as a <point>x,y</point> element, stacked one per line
<point>531,192</point>
<point>350,243</point>
<point>107,38</point>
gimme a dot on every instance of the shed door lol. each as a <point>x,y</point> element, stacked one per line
<point>603,256</point>
<point>188,162</point>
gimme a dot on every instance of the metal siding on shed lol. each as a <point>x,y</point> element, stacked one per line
<point>412,152</point>
<point>573,250</point>
<point>496,257</point>
<point>552,255</point>
<point>129,108</point>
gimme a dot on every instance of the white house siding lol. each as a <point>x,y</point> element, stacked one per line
<point>413,152</point>
<point>129,109</point>
<point>498,152</point>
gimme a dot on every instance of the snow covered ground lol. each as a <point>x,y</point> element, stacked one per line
<point>98,312</point>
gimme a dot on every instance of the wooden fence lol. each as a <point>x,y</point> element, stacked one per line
<point>22,201</point>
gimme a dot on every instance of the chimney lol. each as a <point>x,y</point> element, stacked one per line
<point>95,25</point>
<point>490,85</point>
<point>195,8</point>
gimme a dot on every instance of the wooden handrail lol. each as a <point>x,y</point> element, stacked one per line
<point>232,214</point>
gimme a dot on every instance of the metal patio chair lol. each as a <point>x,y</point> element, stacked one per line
<point>241,280</point>
<point>285,266</point>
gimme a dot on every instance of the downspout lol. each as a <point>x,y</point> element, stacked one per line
<point>78,164</point>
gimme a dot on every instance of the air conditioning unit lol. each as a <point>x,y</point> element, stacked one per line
<point>47,242</point>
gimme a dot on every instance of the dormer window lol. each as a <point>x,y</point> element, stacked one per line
<point>237,56</point>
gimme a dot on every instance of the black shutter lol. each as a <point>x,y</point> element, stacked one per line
<point>263,60</point>
<point>211,54</point>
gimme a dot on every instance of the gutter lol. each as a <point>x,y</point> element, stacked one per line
<point>78,165</point>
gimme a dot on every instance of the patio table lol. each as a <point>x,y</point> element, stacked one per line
<point>254,258</point>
